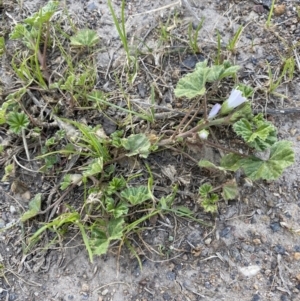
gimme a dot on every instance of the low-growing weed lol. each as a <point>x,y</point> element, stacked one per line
<point>232,44</point>
<point>268,22</point>
<point>115,205</point>
<point>193,36</point>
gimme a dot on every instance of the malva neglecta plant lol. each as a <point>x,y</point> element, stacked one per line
<point>112,204</point>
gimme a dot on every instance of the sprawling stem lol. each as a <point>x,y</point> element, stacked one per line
<point>203,125</point>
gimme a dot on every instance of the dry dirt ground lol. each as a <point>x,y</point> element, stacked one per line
<point>253,251</point>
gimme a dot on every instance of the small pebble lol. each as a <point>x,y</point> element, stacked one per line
<point>171,276</point>
<point>275,227</point>
<point>284,297</point>
<point>297,248</point>
<point>104,293</point>
<point>293,132</point>
<point>297,255</point>
<point>85,287</point>
<point>255,297</point>
<point>249,271</point>
<point>207,284</point>
<point>12,209</point>
<point>225,232</point>
<point>279,9</point>
<point>166,296</point>
<point>257,241</point>
<point>12,297</point>
<point>279,249</point>
<point>268,272</point>
<point>248,248</point>
<point>208,241</point>
<point>91,6</point>
<point>85,296</point>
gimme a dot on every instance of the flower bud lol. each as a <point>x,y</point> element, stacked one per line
<point>203,134</point>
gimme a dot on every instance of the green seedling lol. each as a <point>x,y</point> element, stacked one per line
<point>287,70</point>
<point>193,36</point>
<point>3,272</point>
<point>132,62</point>
<point>18,123</point>
<point>9,171</point>
<point>218,60</point>
<point>85,38</point>
<point>207,196</point>
<point>2,46</point>
<point>298,11</point>
<point>268,22</point>
<point>65,219</point>
<point>234,41</point>
<point>208,200</point>
<point>78,83</point>
<point>164,31</point>
<point>31,34</point>
<point>121,27</point>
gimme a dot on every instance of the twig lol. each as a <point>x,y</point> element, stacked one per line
<point>25,144</point>
<point>296,55</point>
<point>108,284</point>
<point>280,274</point>
<point>184,119</point>
<point>22,166</point>
<point>158,9</point>
<point>190,9</point>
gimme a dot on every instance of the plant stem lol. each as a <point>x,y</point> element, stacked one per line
<point>205,125</point>
<point>25,145</point>
<point>270,14</point>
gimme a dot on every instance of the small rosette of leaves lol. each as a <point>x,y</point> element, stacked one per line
<point>136,195</point>
<point>85,38</point>
<point>257,133</point>
<point>17,121</point>
<point>208,200</point>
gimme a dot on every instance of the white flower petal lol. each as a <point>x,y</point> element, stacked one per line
<point>235,99</point>
<point>214,111</point>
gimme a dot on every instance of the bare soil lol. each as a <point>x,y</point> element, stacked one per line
<point>252,250</point>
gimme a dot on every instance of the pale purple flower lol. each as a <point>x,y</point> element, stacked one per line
<point>235,99</point>
<point>214,111</point>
